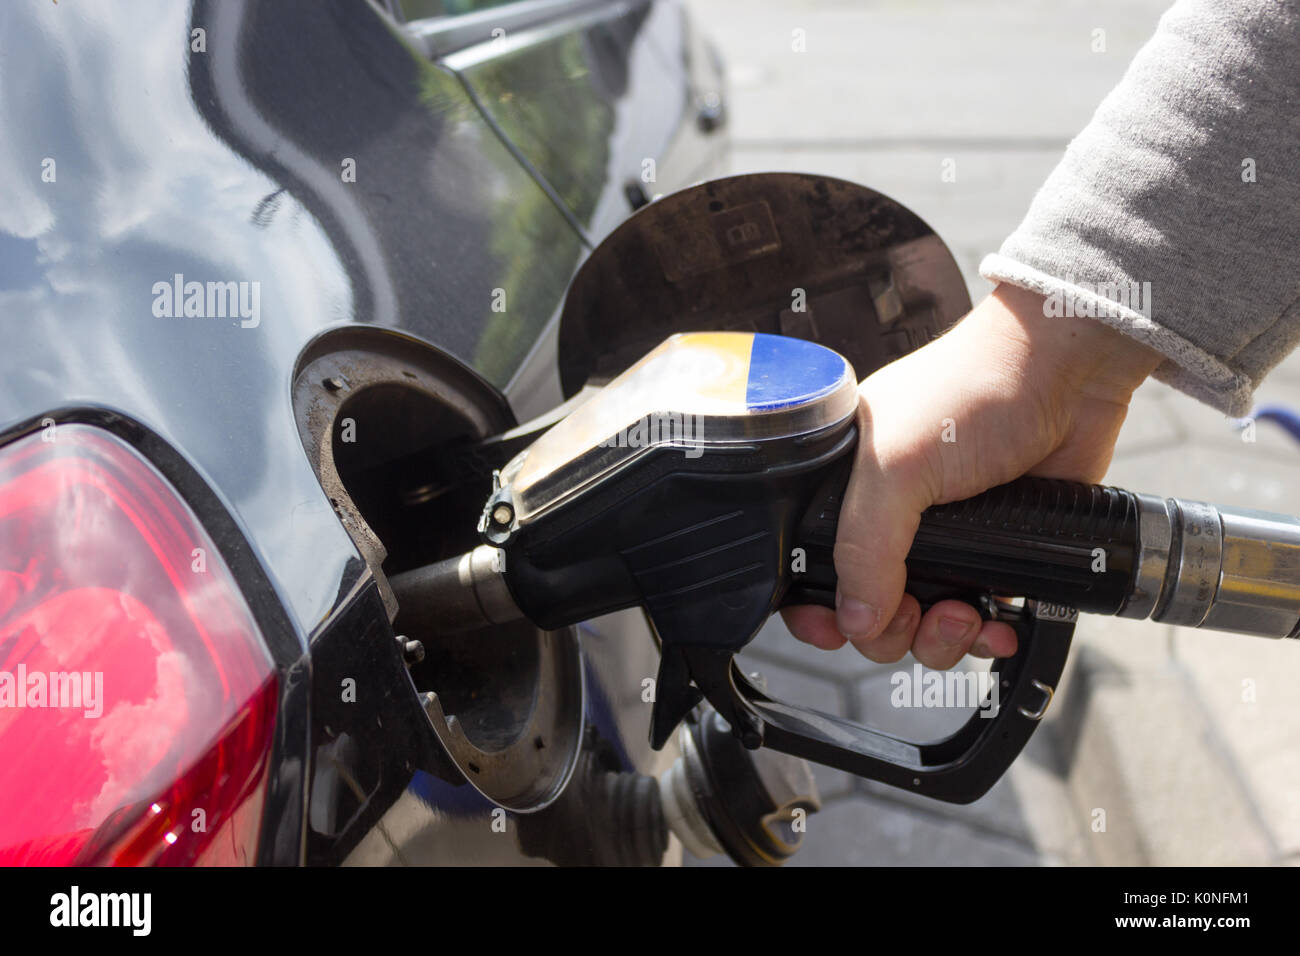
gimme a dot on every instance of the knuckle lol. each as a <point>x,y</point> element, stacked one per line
<point>881,651</point>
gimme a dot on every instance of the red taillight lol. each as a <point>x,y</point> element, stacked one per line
<point>137,699</point>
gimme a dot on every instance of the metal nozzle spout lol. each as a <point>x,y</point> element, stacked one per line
<point>1219,568</point>
<point>463,593</point>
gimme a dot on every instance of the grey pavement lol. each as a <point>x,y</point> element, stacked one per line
<point>1163,745</point>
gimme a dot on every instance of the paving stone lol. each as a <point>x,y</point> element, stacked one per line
<point>866,831</point>
<point>1029,804</point>
<point>1247,686</point>
<point>1221,475</point>
<point>1115,646</point>
<point>921,69</point>
<point>1040,803</point>
<point>1210,428</point>
<point>1144,755</point>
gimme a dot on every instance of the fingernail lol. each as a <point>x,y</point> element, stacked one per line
<point>854,618</point>
<point>981,649</point>
<point>953,630</point>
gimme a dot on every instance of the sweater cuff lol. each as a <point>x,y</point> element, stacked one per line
<point>1187,367</point>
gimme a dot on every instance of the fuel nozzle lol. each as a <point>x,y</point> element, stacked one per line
<point>459,594</point>
<point>1094,549</point>
<point>704,485</point>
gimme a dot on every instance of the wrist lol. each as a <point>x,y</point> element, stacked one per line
<point>1074,354</point>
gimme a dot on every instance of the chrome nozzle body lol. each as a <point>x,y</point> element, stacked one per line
<point>1227,569</point>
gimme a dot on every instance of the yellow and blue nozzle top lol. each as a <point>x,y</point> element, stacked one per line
<point>694,390</point>
<point>741,372</point>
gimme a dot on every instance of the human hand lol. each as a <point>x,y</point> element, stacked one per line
<point>1008,391</point>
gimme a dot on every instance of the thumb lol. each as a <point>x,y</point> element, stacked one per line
<point>878,519</point>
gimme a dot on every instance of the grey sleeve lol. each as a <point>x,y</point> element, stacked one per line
<point>1174,216</point>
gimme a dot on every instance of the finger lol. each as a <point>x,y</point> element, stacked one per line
<point>813,625</point>
<point>879,517</point>
<point>946,633</point>
<point>996,639</point>
<point>896,639</point>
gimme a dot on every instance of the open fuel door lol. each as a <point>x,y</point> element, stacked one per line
<point>793,254</point>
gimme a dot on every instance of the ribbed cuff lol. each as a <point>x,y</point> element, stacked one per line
<point>1187,367</point>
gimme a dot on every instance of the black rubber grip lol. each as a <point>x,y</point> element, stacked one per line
<point>1058,541</point>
